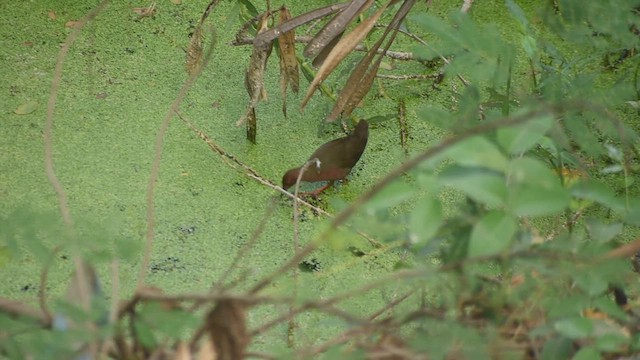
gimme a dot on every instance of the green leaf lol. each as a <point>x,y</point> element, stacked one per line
<point>518,139</point>
<point>425,219</point>
<point>492,234</point>
<point>612,342</point>
<point>574,328</point>
<point>391,195</point>
<point>438,27</point>
<point>145,334</point>
<point>480,53</point>
<point>526,170</point>
<point>530,47</point>
<point>477,151</point>
<point>531,200</point>
<point>557,348</point>
<point>597,191</point>
<point>608,306</point>
<point>633,213</point>
<point>436,114</point>
<point>602,232</point>
<point>518,14</point>
<point>591,282</point>
<point>171,322</point>
<point>250,7</point>
<point>481,184</point>
<point>535,189</point>
<point>583,135</point>
<point>34,231</point>
<point>587,353</point>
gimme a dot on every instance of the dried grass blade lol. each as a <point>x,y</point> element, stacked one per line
<point>196,44</point>
<point>194,51</point>
<point>335,26</point>
<point>254,80</point>
<point>289,72</point>
<point>265,38</point>
<point>227,328</point>
<point>341,50</point>
<point>322,56</point>
<point>362,77</point>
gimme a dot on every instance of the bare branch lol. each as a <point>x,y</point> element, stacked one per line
<point>155,167</point>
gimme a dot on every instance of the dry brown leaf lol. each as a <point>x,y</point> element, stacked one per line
<point>146,11</point>
<point>266,37</point>
<point>194,51</point>
<point>361,79</point>
<point>362,89</point>
<point>335,26</point>
<point>154,290</point>
<point>176,2</point>
<point>26,108</point>
<point>254,81</point>
<point>182,352</point>
<point>289,72</point>
<point>83,288</point>
<point>207,351</point>
<point>287,42</point>
<point>322,56</point>
<point>252,126</point>
<point>73,24</point>
<point>341,50</point>
<point>52,15</point>
<point>227,328</point>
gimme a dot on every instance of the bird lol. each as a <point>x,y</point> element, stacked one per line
<point>333,160</point>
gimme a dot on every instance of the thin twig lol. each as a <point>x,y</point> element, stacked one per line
<point>296,247</point>
<point>115,301</point>
<point>402,125</point>
<point>155,167</point>
<point>347,335</point>
<point>146,294</point>
<point>403,274</point>
<point>219,150</point>
<point>482,128</point>
<point>296,201</point>
<point>466,6</point>
<point>250,172</point>
<point>625,250</point>
<point>303,39</point>
<point>42,293</point>
<point>409,77</point>
<point>83,291</point>
<point>19,308</point>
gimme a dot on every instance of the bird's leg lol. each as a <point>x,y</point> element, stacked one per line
<point>316,192</point>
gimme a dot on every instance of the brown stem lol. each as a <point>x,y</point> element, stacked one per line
<point>351,209</point>
<point>155,167</point>
<point>48,148</point>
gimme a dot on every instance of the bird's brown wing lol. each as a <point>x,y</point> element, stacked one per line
<point>333,154</point>
<point>345,152</point>
<point>354,149</point>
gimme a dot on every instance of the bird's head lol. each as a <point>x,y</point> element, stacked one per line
<point>290,177</point>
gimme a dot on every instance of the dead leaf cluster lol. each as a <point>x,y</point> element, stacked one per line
<point>328,48</point>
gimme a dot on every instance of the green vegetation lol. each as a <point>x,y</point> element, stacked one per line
<point>493,214</point>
